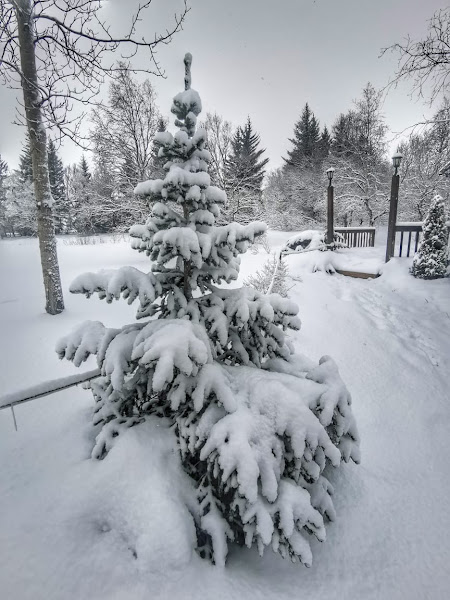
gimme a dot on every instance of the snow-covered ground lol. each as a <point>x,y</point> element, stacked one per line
<point>73,528</point>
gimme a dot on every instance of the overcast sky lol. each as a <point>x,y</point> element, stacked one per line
<point>267,58</point>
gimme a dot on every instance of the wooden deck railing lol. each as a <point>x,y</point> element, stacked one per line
<point>410,229</point>
<point>357,237</point>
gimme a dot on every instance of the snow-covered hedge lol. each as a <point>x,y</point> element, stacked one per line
<point>257,426</point>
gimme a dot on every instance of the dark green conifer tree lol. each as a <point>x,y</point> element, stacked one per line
<point>324,144</point>
<point>343,133</point>
<point>82,205</point>
<point>244,162</point>
<point>26,163</point>
<point>306,140</point>
<point>312,149</point>
<point>84,167</point>
<point>57,187</point>
<point>244,173</point>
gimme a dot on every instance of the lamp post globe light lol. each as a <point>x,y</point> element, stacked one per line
<point>396,160</point>
<point>330,208</point>
<point>395,184</point>
<point>330,173</point>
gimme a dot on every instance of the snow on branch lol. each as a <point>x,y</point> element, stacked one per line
<point>171,346</point>
<point>237,235</point>
<point>126,281</point>
<point>269,455</point>
<point>85,340</point>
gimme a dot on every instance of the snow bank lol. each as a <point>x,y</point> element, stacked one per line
<point>85,526</point>
<point>390,337</point>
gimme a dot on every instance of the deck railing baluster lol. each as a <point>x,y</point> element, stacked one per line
<point>357,237</point>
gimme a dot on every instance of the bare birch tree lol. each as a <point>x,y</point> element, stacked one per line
<point>427,61</point>
<point>59,52</point>
<point>220,135</point>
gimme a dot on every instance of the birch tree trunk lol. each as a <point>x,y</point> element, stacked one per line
<point>46,232</point>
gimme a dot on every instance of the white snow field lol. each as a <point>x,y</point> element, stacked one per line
<point>74,528</point>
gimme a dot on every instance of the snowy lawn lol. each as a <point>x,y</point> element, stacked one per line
<point>74,528</point>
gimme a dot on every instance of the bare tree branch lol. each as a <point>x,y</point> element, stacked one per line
<point>426,62</point>
<point>75,51</point>
<point>60,52</point>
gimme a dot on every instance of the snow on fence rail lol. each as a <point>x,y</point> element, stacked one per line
<point>45,388</point>
<point>410,228</point>
<point>357,237</point>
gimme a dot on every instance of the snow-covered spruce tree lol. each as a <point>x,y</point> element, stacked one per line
<point>431,260</point>
<point>244,171</point>
<point>256,426</point>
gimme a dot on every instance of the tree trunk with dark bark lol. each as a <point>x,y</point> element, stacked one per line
<point>38,139</point>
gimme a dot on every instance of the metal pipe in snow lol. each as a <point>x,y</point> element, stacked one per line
<point>46,388</point>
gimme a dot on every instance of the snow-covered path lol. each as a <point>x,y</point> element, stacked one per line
<point>390,337</point>
<point>391,340</point>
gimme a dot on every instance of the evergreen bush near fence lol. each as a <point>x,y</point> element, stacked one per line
<point>431,260</point>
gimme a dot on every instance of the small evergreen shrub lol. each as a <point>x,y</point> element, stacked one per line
<point>431,260</point>
<point>271,278</point>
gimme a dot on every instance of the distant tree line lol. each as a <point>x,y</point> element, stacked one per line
<point>97,197</point>
<point>295,194</point>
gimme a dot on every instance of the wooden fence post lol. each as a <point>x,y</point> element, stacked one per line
<point>390,245</point>
<point>330,215</point>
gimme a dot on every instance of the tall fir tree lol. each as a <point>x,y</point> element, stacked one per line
<point>293,197</point>
<point>57,187</point>
<point>305,141</point>
<point>324,145</point>
<point>20,194</point>
<point>56,176</point>
<point>84,214</point>
<point>26,163</point>
<point>244,173</point>
<point>431,260</point>
<point>314,138</point>
<point>255,442</point>
<point>84,168</point>
<point>344,135</point>
<point>78,188</point>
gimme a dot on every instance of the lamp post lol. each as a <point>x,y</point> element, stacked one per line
<point>390,246</point>
<point>330,207</point>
